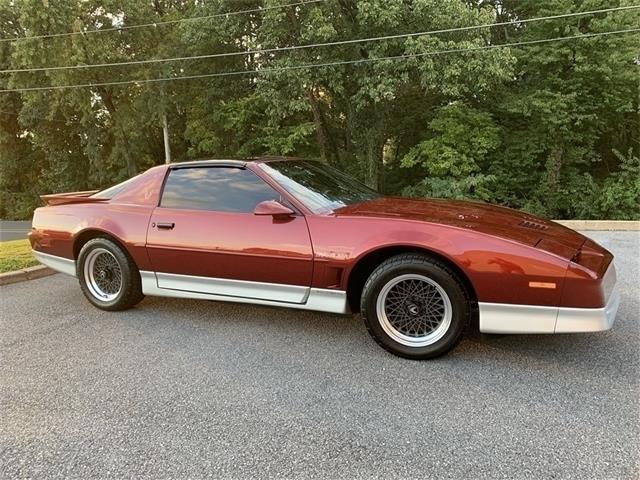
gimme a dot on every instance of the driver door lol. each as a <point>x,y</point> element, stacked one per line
<point>205,238</point>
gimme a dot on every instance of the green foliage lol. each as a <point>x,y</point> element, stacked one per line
<point>618,196</point>
<point>476,186</point>
<point>460,139</point>
<point>537,128</point>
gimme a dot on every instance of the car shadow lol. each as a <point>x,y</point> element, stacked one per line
<point>606,352</point>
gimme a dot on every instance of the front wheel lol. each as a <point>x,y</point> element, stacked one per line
<point>108,277</point>
<point>415,306</point>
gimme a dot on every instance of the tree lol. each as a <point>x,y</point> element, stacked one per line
<point>551,128</point>
<point>568,108</point>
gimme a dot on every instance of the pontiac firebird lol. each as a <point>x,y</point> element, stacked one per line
<point>297,233</point>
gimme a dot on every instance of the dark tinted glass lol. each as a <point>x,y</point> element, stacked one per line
<point>317,185</point>
<point>115,190</point>
<point>218,189</point>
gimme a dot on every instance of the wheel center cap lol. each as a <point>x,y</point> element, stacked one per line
<point>102,274</point>
<point>413,309</point>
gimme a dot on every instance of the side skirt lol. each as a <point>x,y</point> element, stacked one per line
<point>318,299</point>
<point>273,292</point>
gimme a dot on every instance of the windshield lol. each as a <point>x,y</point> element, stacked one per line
<point>318,186</point>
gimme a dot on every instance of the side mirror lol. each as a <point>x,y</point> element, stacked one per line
<point>273,208</point>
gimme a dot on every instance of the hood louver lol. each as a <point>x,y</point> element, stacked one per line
<point>532,225</point>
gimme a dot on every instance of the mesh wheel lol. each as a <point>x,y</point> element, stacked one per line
<point>415,306</point>
<point>108,277</point>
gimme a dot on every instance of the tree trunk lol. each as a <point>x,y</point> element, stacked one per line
<point>165,135</point>
<point>321,131</point>
<point>120,132</point>
<point>554,166</point>
<point>375,169</point>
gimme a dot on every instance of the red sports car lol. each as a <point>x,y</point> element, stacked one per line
<point>300,234</point>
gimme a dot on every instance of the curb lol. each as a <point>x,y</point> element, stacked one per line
<point>610,225</point>
<point>30,273</point>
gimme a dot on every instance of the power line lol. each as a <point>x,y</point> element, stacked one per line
<point>315,45</point>
<point>162,23</point>
<point>318,65</point>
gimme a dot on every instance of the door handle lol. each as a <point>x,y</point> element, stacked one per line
<point>165,225</point>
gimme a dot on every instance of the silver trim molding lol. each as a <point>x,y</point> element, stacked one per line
<point>505,318</point>
<point>589,319</point>
<point>325,300</point>
<point>59,264</point>
<point>233,288</point>
<point>319,299</point>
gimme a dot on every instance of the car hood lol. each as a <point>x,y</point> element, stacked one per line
<point>475,216</point>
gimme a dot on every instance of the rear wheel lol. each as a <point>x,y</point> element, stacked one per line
<point>108,277</point>
<point>415,306</point>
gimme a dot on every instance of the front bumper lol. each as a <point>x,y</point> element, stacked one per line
<point>507,318</point>
<point>571,320</point>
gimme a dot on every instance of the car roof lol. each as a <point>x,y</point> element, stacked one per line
<point>209,163</point>
<point>231,162</point>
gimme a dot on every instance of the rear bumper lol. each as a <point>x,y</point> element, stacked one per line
<point>60,264</point>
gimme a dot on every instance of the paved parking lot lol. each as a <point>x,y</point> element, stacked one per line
<point>178,388</point>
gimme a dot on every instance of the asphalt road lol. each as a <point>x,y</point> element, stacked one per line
<point>14,230</point>
<point>189,389</point>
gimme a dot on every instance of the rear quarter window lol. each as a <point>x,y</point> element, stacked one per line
<point>111,192</point>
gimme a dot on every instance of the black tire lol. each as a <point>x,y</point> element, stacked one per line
<point>130,285</point>
<point>433,276</point>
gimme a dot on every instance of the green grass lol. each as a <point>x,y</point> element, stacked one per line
<point>15,255</point>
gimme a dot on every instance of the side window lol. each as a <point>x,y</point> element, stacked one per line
<point>220,189</point>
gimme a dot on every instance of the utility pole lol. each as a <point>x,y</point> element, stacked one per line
<point>165,131</point>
